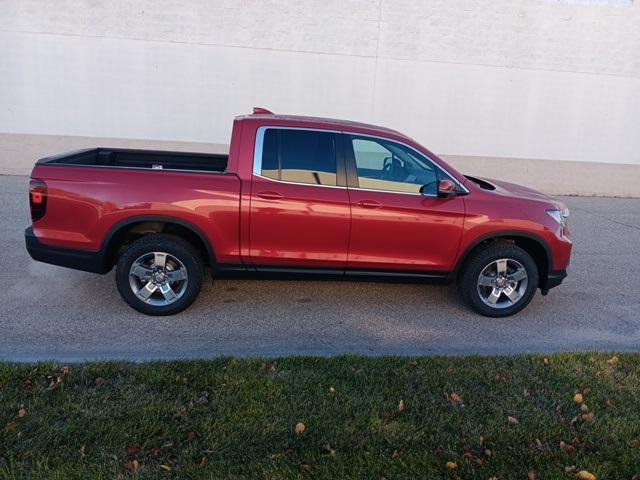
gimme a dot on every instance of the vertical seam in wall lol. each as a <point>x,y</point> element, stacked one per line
<point>375,65</point>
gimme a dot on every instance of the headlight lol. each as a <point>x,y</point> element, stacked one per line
<point>559,216</point>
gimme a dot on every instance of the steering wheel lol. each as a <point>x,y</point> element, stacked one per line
<point>387,168</point>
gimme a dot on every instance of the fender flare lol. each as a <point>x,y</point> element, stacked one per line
<point>113,231</point>
<point>500,234</point>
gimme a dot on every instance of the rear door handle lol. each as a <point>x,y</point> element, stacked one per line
<point>369,204</point>
<point>270,195</point>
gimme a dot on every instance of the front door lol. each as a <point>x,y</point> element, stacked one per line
<point>300,212</point>
<point>398,221</point>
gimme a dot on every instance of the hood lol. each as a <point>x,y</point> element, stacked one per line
<point>514,190</point>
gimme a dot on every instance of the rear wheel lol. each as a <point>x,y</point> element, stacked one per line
<point>159,274</point>
<point>499,280</point>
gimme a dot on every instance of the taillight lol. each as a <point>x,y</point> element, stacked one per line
<point>37,198</point>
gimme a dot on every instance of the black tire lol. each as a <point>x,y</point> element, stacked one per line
<point>175,247</point>
<point>469,288</point>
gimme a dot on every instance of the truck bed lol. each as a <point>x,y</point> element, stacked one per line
<point>141,159</point>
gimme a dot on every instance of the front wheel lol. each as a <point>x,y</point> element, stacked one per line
<point>159,274</point>
<point>499,280</point>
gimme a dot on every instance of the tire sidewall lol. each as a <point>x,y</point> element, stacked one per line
<point>469,286</point>
<point>173,245</point>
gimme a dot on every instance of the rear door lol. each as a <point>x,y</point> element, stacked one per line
<point>300,211</point>
<point>398,221</point>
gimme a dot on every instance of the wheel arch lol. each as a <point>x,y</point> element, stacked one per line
<point>532,244</point>
<point>138,226</point>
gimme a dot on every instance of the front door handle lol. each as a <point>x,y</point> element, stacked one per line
<point>270,195</point>
<point>369,204</point>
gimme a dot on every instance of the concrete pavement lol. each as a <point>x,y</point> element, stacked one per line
<point>50,312</point>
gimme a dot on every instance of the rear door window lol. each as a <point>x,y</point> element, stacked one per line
<point>299,156</point>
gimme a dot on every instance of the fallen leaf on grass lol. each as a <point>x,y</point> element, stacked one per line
<point>587,417</point>
<point>613,360</point>
<point>635,442</point>
<point>567,448</point>
<point>166,468</point>
<point>306,468</point>
<point>512,420</point>
<point>83,452</point>
<point>396,454</point>
<point>132,466</point>
<point>545,361</point>
<point>332,390</point>
<point>22,412</point>
<point>578,398</point>
<point>455,398</point>
<point>584,475</point>
<point>526,392</point>
<point>569,469</point>
<point>300,428</point>
<point>451,465</point>
<point>401,406</point>
<point>99,382</point>
<point>531,475</point>
<point>27,385</point>
<point>10,426</point>
<point>133,449</point>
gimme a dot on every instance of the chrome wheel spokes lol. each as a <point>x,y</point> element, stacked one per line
<point>158,278</point>
<point>502,283</point>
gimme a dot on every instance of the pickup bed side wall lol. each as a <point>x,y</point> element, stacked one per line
<point>84,204</point>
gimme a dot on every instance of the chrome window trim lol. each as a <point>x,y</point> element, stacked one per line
<point>257,159</point>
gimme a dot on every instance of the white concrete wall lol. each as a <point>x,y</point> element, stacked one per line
<point>516,79</point>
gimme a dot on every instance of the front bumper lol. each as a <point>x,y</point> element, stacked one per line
<point>85,260</point>
<point>554,279</point>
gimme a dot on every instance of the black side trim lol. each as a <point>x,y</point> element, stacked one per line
<point>290,273</point>
<point>554,279</point>
<point>85,260</point>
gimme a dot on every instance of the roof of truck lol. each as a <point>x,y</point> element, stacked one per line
<point>316,122</point>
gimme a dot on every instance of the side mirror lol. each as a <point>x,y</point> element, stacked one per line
<point>446,189</point>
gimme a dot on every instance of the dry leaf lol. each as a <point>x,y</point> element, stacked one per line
<point>10,426</point>
<point>569,469</point>
<point>133,449</point>
<point>132,466</point>
<point>99,381</point>
<point>83,452</point>
<point>300,428</point>
<point>546,361</point>
<point>584,408</point>
<point>306,468</point>
<point>451,465</point>
<point>332,390</point>
<point>512,420</point>
<point>455,398</point>
<point>396,454</point>
<point>401,405</point>
<point>487,452</point>
<point>584,475</point>
<point>587,417</point>
<point>526,392</point>
<point>613,360</point>
<point>166,468</point>
<point>22,412</point>
<point>567,448</point>
<point>531,475</point>
<point>635,442</point>
<point>578,398</point>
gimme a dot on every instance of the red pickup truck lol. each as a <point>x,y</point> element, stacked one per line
<point>295,195</point>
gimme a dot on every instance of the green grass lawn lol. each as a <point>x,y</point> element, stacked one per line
<point>363,418</point>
